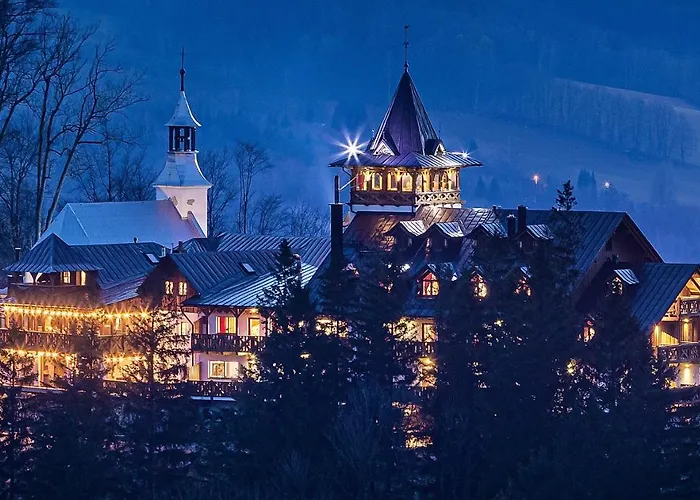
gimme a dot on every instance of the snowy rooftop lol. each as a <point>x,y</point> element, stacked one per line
<point>122,222</point>
<point>183,117</point>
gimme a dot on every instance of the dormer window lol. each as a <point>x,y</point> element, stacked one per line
<point>523,287</point>
<point>481,290</point>
<point>169,287</point>
<point>430,286</point>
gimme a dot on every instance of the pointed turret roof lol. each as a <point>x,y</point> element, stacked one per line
<point>406,127</point>
<point>183,117</point>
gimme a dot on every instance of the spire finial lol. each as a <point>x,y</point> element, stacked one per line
<point>182,70</point>
<point>405,47</point>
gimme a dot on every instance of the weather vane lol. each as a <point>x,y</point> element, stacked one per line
<point>182,70</point>
<point>405,47</point>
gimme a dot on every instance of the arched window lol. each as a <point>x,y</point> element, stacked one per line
<point>452,176</point>
<point>444,183</point>
<point>430,286</point>
<point>419,183</point>
<point>406,183</point>
<point>377,181</point>
<point>436,181</point>
<point>392,181</point>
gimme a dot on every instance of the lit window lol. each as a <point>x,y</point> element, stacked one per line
<point>377,182</point>
<point>444,183</point>
<point>227,324</point>
<point>588,332</point>
<point>419,183</point>
<point>82,278</point>
<point>430,286</point>
<point>429,332</point>
<point>223,369</point>
<point>523,287</point>
<point>65,278</point>
<point>453,185</point>
<point>182,288</point>
<point>406,183</point>
<point>480,288</point>
<point>616,286</point>
<point>392,181</point>
<point>253,326</point>
<point>169,287</point>
<point>436,181</point>
<point>362,181</point>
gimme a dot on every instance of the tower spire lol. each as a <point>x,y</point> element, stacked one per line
<point>182,70</point>
<point>405,47</point>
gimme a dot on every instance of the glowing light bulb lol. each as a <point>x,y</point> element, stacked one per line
<point>606,184</point>
<point>536,178</point>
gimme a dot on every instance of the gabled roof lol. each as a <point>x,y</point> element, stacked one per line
<point>120,268</point>
<point>51,255</point>
<point>183,117</point>
<point>406,125</point>
<point>659,286</point>
<point>312,250</point>
<point>121,222</point>
<point>244,292</point>
<point>205,270</point>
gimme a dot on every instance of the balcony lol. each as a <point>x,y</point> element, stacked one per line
<point>60,342</point>
<point>680,353</point>
<point>225,342</point>
<point>690,307</point>
<point>198,389</point>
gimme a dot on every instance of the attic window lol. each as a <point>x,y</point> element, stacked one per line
<point>480,288</point>
<point>383,149</point>
<point>248,268</point>
<point>430,286</point>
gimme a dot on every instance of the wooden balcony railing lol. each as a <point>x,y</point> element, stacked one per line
<point>226,342</point>
<point>60,342</point>
<point>690,307</point>
<point>680,353</point>
<point>192,388</point>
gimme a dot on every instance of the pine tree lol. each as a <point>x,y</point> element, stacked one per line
<point>159,413</point>
<point>17,409</point>
<point>291,394</point>
<point>77,439</point>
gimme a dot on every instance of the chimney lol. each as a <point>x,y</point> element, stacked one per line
<point>337,225</point>
<point>18,253</point>
<point>180,247</point>
<point>522,218</point>
<point>510,221</point>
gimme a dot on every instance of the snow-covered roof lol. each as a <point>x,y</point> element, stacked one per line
<point>183,117</point>
<point>181,169</point>
<point>122,222</point>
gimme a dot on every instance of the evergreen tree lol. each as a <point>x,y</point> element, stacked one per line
<point>78,432</point>
<point>160,416</point>
<point>291,394</point>
<point>480,189</point>
<point>17,410</point>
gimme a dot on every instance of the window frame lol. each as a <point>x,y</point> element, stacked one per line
<point>430,285</point>
<point>169,287</point>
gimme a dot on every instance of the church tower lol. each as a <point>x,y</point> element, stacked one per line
<point>181,180</point>
<point>405,165</point>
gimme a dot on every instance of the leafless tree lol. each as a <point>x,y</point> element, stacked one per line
<point>16,193</point>
<point>79,89</point>
<point>251,161</point>
<point>115,170</point>
<point>218,167</point>
<point>20,24</point>
<point>268,215</point>
<point>304,219</point>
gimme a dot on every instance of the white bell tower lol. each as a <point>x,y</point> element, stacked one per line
<point>182,181</point>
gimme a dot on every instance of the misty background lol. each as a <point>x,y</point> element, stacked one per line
<point>605,93</point>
